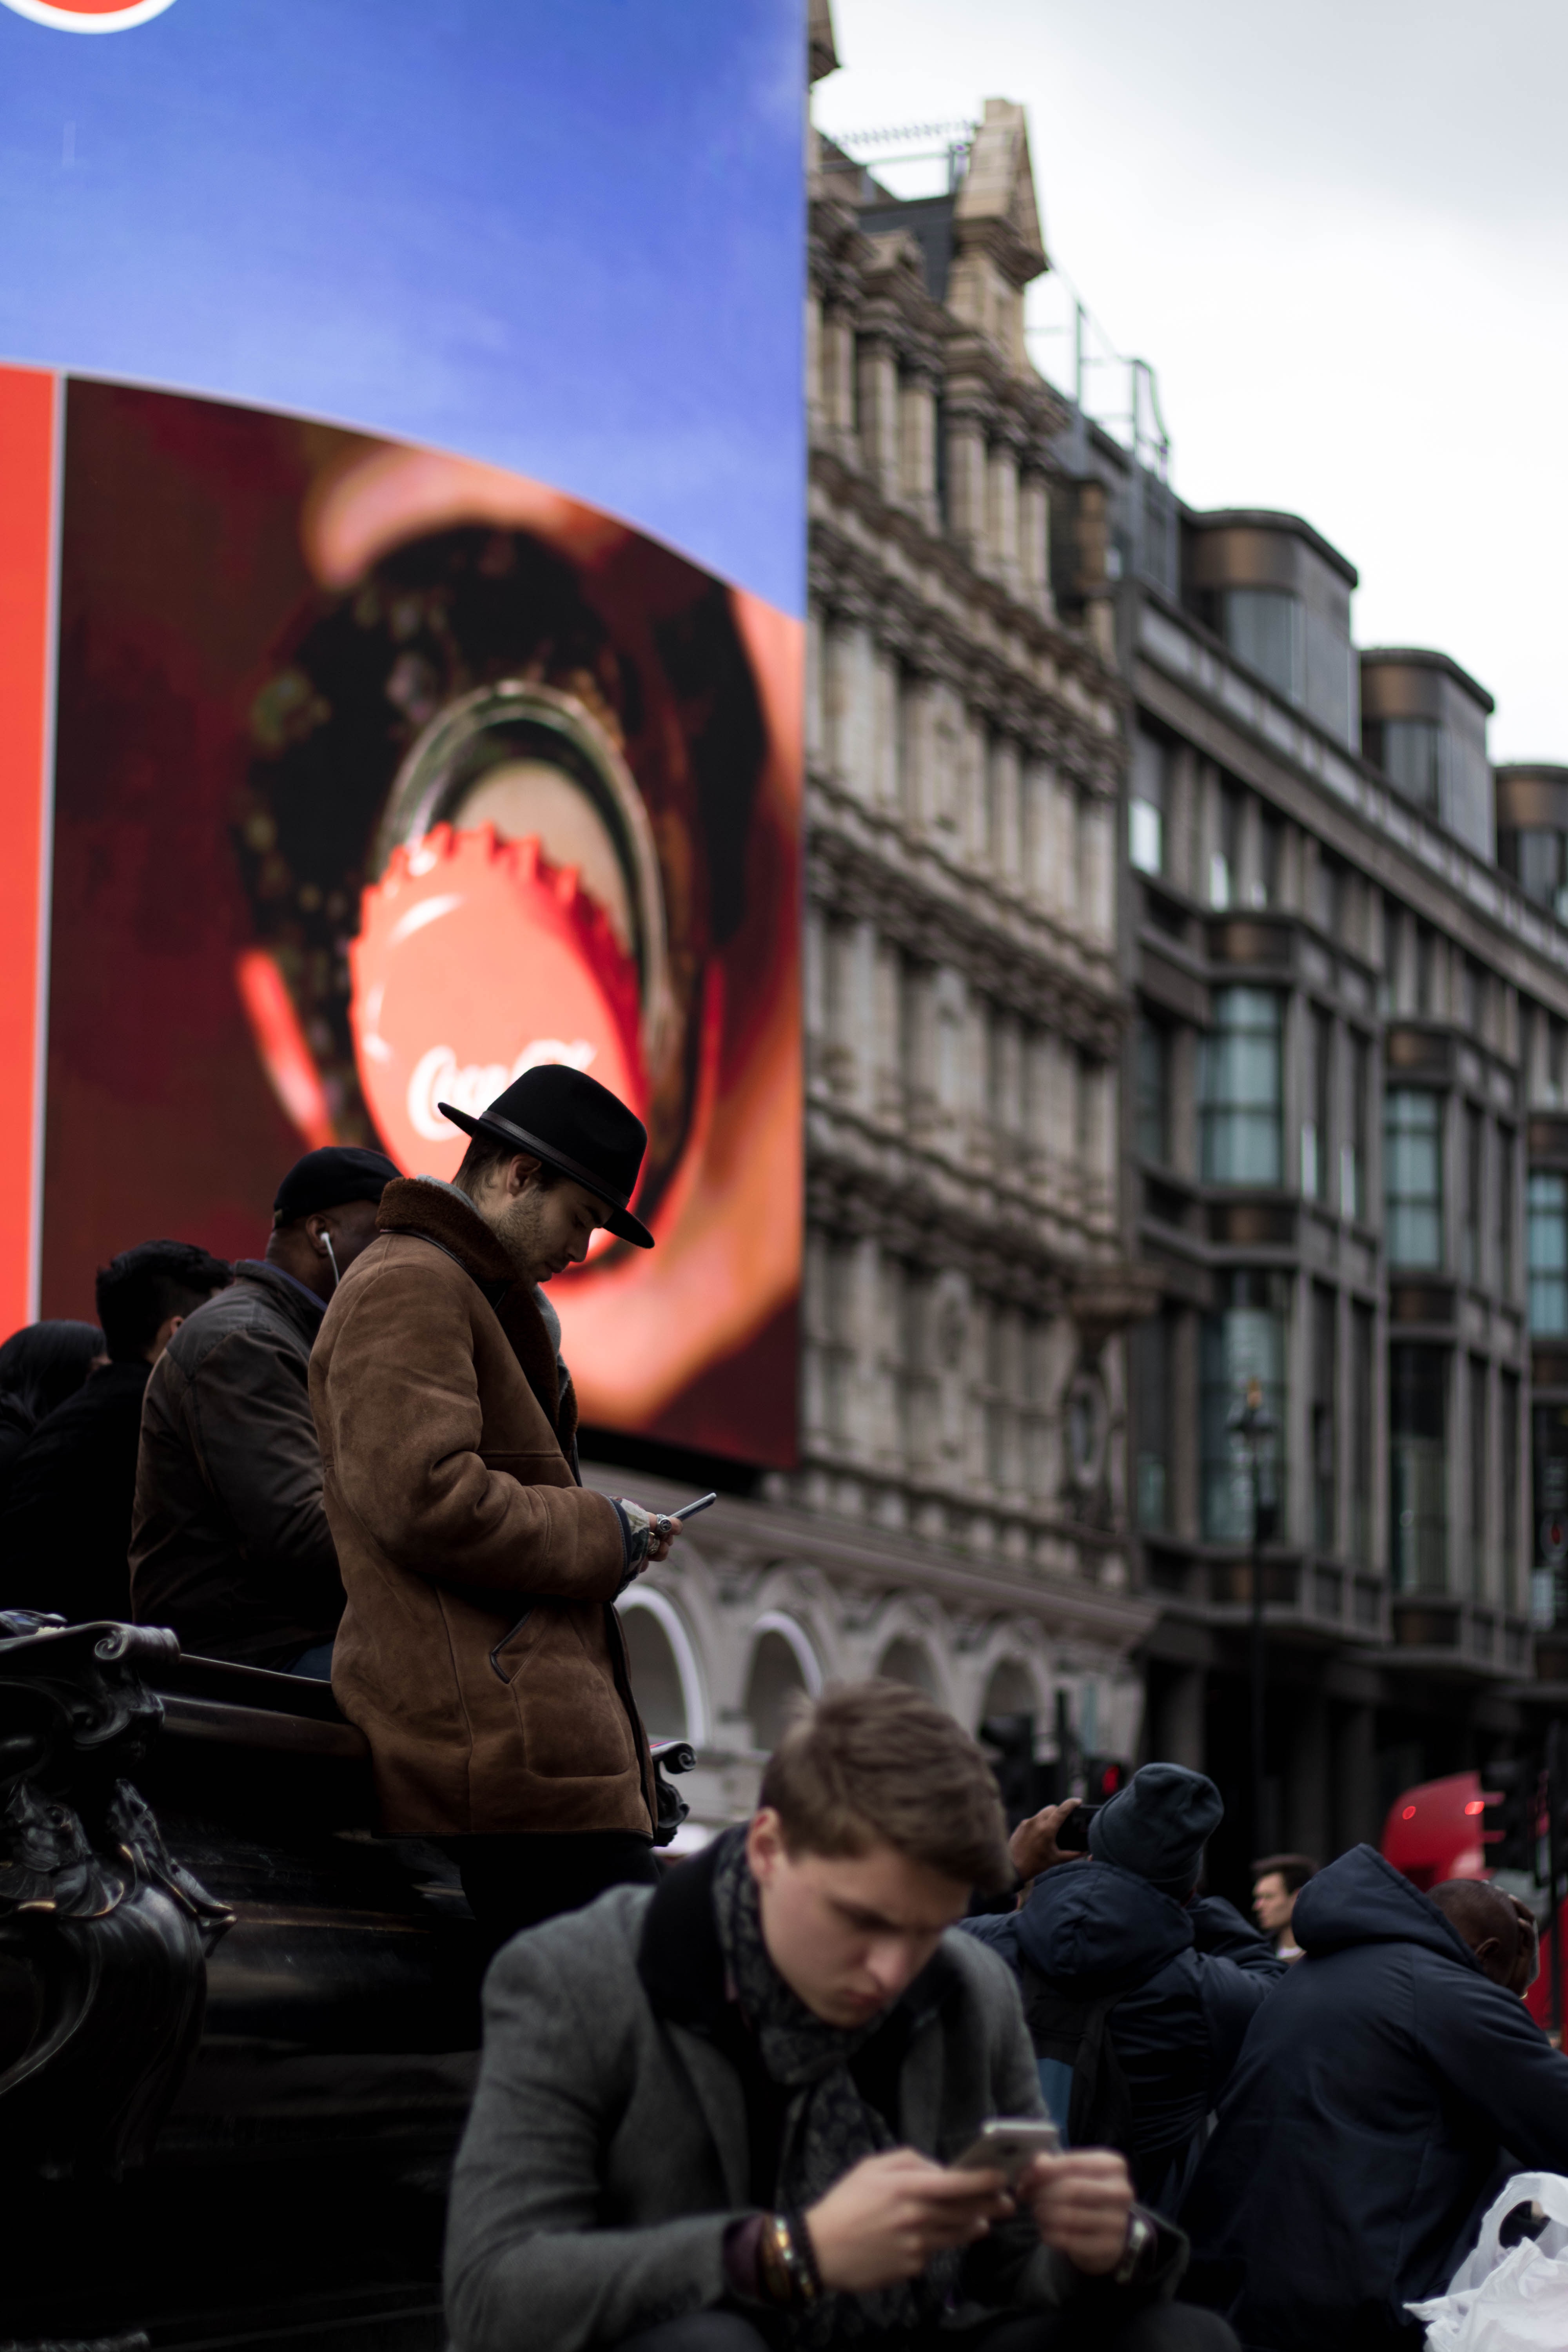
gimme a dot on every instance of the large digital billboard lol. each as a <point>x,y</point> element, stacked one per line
<point>401,536</point>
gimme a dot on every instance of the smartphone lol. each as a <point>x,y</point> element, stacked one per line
<point>1009,2145</point>
<point>689,1510</point>
<point>1072,1837</point>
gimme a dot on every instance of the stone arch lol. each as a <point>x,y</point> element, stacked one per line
<point>784,1664</point>
<point>907,1659</point>
<point>666,1681</point>
<point>1010,1688</point>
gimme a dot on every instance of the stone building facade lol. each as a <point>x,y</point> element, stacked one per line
<point>1340,1165</point>
<point>958,1516</point>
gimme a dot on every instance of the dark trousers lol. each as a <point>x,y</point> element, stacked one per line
<point>514,1882</point>
<point>1158,2328</point>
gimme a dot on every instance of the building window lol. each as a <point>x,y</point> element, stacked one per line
<point>1478,1482</point>
<point>1352,1152</point>
<point>1508,1441</point>
<point>1548,1247</point>
<point>1262,627</point>
<point>1317,1126</point>
<point>1146,805</point>
<point>1240,1089</point>
<point>1244,1340</point>
<point>1410,754</point>
<point>1473,1173</point>
<point>1413,1176</point>
<point>1270,851</point>
<point>1536,859</point>
<point>1224,860</point>
<point>1150,1346</point>
<point>1417,1466</point>
<point>1505,1182</point>
<point>1325,1388</point>
<point>1362,1428</point>
<point>1151,1092</point>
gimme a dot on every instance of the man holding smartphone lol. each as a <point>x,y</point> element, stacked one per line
<point>480,1650</point>
<point>741,2113</point>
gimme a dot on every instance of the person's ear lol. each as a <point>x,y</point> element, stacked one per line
<point>316,1226</point>
<point>518,1173</point>
<point>765,1845</point>
<point>1489,1954</point>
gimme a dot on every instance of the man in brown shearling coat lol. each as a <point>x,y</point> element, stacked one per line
<point>480,1650</point>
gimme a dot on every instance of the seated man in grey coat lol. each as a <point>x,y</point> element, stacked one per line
<point>725,2114</point>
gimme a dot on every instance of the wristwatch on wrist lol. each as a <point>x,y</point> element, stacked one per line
<point>1140,2238</point>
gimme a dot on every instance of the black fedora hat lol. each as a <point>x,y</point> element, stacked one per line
<point>570,1121</point>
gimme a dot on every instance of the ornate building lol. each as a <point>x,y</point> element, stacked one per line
<point>958,1518</point>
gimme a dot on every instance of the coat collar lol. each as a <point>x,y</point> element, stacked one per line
<point>437,1214</point>
<point>302,1307</point>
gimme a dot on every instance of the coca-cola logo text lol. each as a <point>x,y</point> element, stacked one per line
<point>472,1087</point>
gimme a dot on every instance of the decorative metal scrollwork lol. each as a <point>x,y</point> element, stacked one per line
<point>104,1936</point>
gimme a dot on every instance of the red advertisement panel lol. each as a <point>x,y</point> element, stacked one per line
<point>380,776</point>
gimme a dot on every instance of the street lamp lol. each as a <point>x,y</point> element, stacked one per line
<point>1256,1425</point>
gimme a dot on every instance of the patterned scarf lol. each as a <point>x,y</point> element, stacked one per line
<point>829,2126</point>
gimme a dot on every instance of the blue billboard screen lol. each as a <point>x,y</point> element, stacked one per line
<point>401,570</point>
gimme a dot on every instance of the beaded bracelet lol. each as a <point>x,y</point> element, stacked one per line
<point>788,2261</point>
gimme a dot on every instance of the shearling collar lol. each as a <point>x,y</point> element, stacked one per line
<point>436,1214</point>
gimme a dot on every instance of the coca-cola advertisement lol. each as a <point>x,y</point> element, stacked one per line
<point>381,776</point>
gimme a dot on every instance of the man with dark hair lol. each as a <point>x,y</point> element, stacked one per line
<point>229,1544</point>
<point>65,1531</point>
<point>729,2115</point>
<point>480,1652</point>
<point>1378,2087</point>
<point>1138,1992</point>
<point>1276,1881</point>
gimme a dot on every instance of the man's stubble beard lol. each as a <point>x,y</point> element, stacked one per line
<point>515,1226</point>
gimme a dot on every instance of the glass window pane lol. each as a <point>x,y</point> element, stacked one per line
<point>1547,1243</point>
<point>1263,628</point>
<point>1413,1176</point>
<point>1417,1409</point>
<point>1145,836</point>
<point>1240,1089</point>
<point>1412,757</point>
<point>1245,1340</point>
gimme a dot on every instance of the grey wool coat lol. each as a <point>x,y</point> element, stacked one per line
<point>606,2152</point>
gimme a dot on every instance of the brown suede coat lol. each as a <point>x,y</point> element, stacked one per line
<point>478,1652</point>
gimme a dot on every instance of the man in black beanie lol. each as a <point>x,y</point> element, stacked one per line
<point>1138,1991</point>
<point>229,1543</point>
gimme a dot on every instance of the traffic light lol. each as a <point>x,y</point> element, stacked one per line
<point>1102,1777</point>
<point>1511,1812</point>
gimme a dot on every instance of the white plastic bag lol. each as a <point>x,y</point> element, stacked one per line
<point>1513,2302</point>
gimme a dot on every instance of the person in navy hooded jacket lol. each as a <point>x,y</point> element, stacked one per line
<point>1186,1971</point>
<point>1365,2121</point>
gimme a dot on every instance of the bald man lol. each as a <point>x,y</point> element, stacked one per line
<point>1377,2088</point>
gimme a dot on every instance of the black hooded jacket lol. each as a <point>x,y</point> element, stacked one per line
<point>1372,2096</point>
<point>1190,1977</point>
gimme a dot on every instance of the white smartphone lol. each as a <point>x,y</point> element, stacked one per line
<point>1009,2145</point>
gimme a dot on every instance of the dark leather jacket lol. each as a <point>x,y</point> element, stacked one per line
<point>229,1543</point>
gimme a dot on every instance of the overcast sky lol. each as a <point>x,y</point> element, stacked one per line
<point>1340,233</point>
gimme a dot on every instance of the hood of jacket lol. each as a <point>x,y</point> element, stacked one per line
<point>1092,1922</point>
<point>1361,1899</point>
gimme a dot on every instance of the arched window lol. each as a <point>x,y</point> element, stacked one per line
<point>904,1661</point>
<point>1010,1691</point>
<point>666,1681</point>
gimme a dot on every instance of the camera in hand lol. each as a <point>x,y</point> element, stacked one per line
<point>1072,1836</point>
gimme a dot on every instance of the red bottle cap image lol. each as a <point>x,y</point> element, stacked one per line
<point>478,959</point>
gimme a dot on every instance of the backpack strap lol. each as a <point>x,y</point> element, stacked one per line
<point>1075,2035</point>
